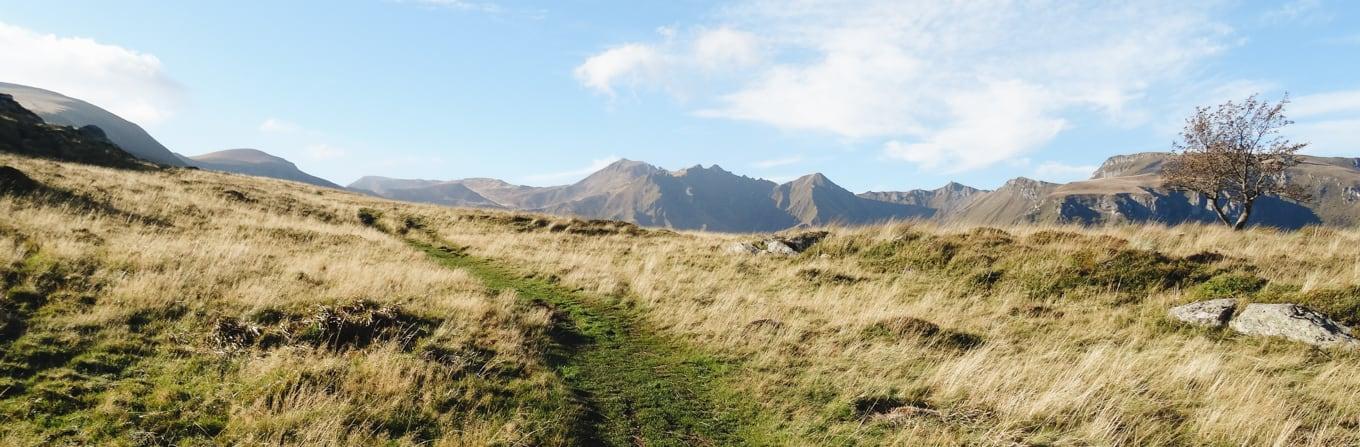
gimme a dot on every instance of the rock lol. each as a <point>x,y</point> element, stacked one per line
<point>742,248</point>
<point>804,240</point>
<point>1293,322</point>
<point>778,247</point>
<point>1214,313</point>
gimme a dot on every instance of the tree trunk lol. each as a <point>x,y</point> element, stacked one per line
<point>1246,214</point>
<point>1218,209</point>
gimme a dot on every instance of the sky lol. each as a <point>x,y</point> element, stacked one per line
<point>876,94</point>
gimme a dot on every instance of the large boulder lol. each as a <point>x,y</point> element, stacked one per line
<point>778,247</point>
<point>1293,322</point>
<point>1212,313</point>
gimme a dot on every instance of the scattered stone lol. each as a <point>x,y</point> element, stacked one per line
<point>742,248</point>
<point>1293,322</point>
<point>1211,313</point>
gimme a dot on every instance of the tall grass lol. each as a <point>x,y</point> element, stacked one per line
<point>194,307</point>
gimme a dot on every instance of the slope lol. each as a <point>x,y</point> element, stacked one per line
<point>58,109</point>
<point>257,163</point>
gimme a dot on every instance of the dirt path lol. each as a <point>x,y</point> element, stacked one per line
<point>639,388</point>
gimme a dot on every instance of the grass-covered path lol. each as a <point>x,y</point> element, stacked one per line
<point>639,388</point>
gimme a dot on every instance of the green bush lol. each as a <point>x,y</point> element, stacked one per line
<point>1229,285</point>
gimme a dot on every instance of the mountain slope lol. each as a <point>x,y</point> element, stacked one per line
<point>1128,189</point>
<point>257,163</point>
<point>814,200</point>
<point>23,132</point>
<point>943,202</point>
<point>55,108</point>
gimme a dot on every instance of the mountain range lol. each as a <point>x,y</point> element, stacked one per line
<point>1125,189</point>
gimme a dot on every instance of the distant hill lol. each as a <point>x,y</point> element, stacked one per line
<point>693,198</point>
<point>1128,189</point>
<point>24,132</point>
<point>58,109</point>
<point>257,163</point>
<point>942,202</point>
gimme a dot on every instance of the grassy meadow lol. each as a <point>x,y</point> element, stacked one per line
<point>182,307</point>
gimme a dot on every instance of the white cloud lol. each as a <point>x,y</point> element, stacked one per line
<point>1325,104</point>
<point>1328,122</point>
<point>128,83</point>
<point>575,174</point>
<point>766,164</point>
<point>670,63</point>
<point>275,125</point>
<point>1061,172</point>
<point>960,85</point>
<point>1335,137</point>
<point>1302,11</point>
<point>725,48</point>
<point>997,124</point>
<point>324,151</point>
<point>632,64</point>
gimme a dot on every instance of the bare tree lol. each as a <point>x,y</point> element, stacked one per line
<point>1232,155</point>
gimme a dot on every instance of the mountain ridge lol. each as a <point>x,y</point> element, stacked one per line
<point>1124,189</point>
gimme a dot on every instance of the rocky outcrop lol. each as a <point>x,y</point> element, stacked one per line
<point>57,109</point>
<point>24,132</point>
<point>1293,322</point>
<point>1211,313</point>
<point>778,245</point>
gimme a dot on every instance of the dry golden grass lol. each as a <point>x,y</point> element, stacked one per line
<point>1040,336</point>
<point>153,260</point>
<point>1085,366</point>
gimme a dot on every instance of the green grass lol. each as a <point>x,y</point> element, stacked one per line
<point>639,387</point>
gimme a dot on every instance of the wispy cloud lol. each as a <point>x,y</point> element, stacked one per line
<point>766,164</point>
<point>1327,121</point>
<point>462,5</point>
<point>962,85</point>
<point>574,174</point>
<point>129,83</point>
<point>275,125</point>
<point>322,152</point>
<point>1298,11</point>
<point>478,6</point>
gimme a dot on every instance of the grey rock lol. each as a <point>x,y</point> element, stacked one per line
<point>1293,322</point>
<point>1214,313</point>
<point>778,247</point>
<point>741,248</point>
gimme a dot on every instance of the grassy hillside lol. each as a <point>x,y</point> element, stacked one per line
<point>188,307</point>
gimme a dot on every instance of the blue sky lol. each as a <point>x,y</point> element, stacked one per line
<point>877,94</point>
